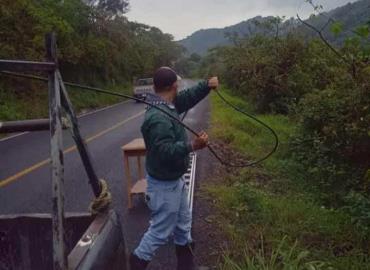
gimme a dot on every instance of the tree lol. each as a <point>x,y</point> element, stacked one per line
<point>111,8</point>
<point>195,57</point>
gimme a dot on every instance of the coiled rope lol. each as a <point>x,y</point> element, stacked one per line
<point>101,203</point>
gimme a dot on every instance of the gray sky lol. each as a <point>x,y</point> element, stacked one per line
<point>181,18</point>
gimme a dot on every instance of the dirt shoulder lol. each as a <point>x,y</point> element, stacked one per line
<point>207,233</point>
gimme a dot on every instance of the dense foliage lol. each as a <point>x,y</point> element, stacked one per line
<point>90,44</point>
<point>272,218</point>
<point>308,205</point>
<point>96,43</point>
<point>326,90</point>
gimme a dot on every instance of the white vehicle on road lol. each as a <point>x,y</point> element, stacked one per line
<point>143,87</point>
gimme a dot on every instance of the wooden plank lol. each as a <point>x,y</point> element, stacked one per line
<point>135,153</point>
<point>128,179</point>
<point>135,145</point>
<point>139,187</point>
<point>140,168</point>
<point>135,148</point>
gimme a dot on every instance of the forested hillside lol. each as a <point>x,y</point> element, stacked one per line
<point>97,45</point>
<point>350,16</point>
<point>202,40</point>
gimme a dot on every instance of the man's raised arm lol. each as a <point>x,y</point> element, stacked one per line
<point>188,98</point>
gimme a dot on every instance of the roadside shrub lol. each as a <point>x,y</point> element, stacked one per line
<point>327,92</point>
<point>334,139</point>
<point>358,206</point>
<point>260,69</point>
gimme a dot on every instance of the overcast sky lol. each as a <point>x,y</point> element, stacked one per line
<point>181,18</point>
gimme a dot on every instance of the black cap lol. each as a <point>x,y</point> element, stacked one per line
<point>164,77</point>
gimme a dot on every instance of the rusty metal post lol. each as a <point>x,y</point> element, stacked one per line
<point>80,143</point>
<point>56,155</point>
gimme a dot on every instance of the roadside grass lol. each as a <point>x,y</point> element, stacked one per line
<point>32,102</point>
<point>26,102</point>
<point>272,221</point>
<point>87,100</point>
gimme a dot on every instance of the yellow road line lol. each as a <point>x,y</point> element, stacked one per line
<point>40,164</point>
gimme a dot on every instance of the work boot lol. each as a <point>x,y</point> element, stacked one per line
<point>136,263</point>
<point>185,257</point>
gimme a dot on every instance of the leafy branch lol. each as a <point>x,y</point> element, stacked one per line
<point>320,33</point>
<point>319,8</point>
<point>337,28</point>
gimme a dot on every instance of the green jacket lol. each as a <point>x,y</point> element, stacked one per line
<point>166,141</point>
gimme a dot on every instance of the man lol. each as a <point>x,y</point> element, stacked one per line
<point>166,162</point>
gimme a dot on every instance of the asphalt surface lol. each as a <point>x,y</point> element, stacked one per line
<point>25,185</point>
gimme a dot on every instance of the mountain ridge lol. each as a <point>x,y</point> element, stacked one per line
<point>351,15</point>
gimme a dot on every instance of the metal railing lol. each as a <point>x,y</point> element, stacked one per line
<point>59,102</point>
<point>189,177</point>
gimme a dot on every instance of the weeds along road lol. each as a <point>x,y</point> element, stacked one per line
<point>25,184</point>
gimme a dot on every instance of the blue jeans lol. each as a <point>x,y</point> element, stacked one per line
<point>170,213</point>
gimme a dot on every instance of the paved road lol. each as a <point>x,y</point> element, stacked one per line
<point>25,185</point>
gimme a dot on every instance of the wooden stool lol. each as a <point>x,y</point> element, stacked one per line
<point>135,148</point>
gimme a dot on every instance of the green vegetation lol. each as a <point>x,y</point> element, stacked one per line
<point>32,102</point>
<point>327,96</point>
<point>97,46</point>
<point>308,206</point>
<point>273,221</point>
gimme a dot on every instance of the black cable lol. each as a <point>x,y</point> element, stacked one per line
<point>258,121</point>
<point>99,90</point>
<point>183,116</point>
